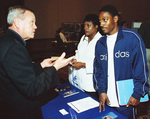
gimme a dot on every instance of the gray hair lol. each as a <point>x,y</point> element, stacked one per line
<point>16,11</point>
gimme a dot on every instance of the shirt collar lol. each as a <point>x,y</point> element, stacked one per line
<point>86,38</point>
<point>24,42</point>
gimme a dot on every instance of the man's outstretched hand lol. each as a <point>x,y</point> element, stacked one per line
<point>61,62</point>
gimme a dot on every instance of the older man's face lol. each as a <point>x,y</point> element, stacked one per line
<point>27,25</point>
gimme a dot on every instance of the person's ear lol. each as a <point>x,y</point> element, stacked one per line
<point>96,26</point>
<point>16,22</point>
<point>116,18</point>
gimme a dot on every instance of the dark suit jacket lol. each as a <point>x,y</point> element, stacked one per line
<point>144,31</point>
<point>20,81</point>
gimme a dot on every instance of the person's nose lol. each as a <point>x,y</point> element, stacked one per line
<point>101,24</point>
<point>35,27</point>
<point>85,27</point>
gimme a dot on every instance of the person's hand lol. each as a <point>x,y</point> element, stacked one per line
<point>73,61</point>
<point>132,101</point>
<point>102,99</point>
<point>78,65</point>
<point>47,62</point>
<point>61,62</point>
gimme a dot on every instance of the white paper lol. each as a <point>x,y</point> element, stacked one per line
<point>63,112</point>
<point>83,104</point>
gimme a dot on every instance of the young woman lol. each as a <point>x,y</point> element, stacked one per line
<point>81,72</point>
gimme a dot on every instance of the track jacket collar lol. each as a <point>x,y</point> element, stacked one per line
<point>119,37</point>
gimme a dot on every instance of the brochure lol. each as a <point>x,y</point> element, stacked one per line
<point>125,90</point>
<point>62,88</point>
<point>109,115</point>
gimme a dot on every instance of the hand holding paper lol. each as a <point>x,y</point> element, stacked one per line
<point>132,101</point>
<point>125,90</point>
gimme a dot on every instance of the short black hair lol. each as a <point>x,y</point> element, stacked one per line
<point>111,9</point>
<point>59,30</point>
<point>92,18</point>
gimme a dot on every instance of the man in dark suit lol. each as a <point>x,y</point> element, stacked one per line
<point>144,31</point>
<point>20,81</point>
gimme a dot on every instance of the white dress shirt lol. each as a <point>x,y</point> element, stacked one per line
<point>62,37</point>
<point>83,78</point>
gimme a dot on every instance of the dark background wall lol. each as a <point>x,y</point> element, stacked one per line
<point>51,13</point>
<point>4,5</point>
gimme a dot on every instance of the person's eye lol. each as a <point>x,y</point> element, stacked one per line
<point>89,25</point>
<point>32,22</point>
<point>105,20</point>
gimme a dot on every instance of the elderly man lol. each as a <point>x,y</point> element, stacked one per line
<point>20,80</point>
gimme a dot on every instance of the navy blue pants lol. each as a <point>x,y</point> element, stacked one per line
<point>129,112</point>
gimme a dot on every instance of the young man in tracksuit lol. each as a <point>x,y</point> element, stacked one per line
<point>120,55</point>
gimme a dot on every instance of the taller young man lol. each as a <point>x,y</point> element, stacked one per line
<point>120,55</point>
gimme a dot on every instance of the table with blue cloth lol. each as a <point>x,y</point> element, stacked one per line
<point>51,110</point>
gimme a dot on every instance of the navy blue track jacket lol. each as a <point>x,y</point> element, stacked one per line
<point>129,62</point>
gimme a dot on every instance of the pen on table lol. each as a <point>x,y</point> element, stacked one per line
<point>75,107</point>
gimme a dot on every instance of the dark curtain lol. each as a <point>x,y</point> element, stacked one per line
<point>4,5</point>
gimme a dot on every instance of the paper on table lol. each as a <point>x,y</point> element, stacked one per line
<point>63,112</point>
<point>83,104</point>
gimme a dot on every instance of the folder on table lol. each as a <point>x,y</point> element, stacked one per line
<point>125,90</point>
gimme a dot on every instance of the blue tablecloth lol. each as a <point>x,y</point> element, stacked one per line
<point>51,109</point>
